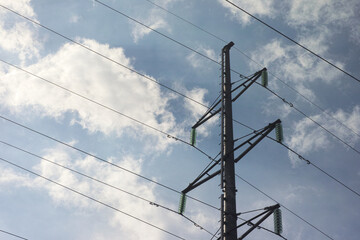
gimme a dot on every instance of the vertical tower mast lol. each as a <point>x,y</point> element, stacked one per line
<point>228,218</point>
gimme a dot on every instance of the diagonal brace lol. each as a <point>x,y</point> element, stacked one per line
<point>269,211</point>
<point>250,81</point>
<point>262,135</point>
<point>209,114</point>
<point>196,184</point>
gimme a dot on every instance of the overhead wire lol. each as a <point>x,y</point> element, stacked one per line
<point>289,210</point>
<point>295,42</point>
<point>92,155</point>
<point>308,162</point>
<point>100,54</point>
<point>103,160</point>
<point>172,39</point>
<point>263,228</point>
<point>312,120</point>
<point>219,63</point>
<point>119,189</point>
<point>251,59</point>
<point>106,107</point>
<point>162,34</point>
<point>88,153</point>
<point>282,205</point>
<point>93,51</point>
<point>91,198</point>
<point>153,203</point>
<point>132,70</point>
<point>12,234</point>
<point>306,98</point>
<point>93,102</point>
<point>320,169</point>
<point>185,20</point>
<point>156,31</point>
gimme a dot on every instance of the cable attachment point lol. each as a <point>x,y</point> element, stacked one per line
<point>304,159</point>
<point>154,204</point>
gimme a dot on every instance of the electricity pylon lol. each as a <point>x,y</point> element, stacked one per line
<point>227,160</point>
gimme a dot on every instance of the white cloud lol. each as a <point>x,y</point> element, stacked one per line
<point>296,67</point>
<point>280,110</point>
<point>305,11</point>
<point>200,62</point>
<point>256,7</point>
<point>326,11</point>
<point>21,6</point>
<point>351,120</point>
<point>331,14</point>
<point>74,19</point>
<point>307,137</point>
<point>197,111</point>
<point>155,18</point>
<point>10,177</point>
<point>153,21</point>
<point>17,37</point>
<point>96,78</point>
<point>355,30</point>
<point>297,194</point>
<point>269,53</point>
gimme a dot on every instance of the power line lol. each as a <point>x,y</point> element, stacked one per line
<point>247,56</point>
<point>318,168</point>
<point>91,154</point>
<point>132,70</point>
<point>167,37</point>
<point>92,50</point>
<point>187,21</point>
<point>311,119</point>
<point>108,108</point>
<point>152,29</point>
<point>93,199</point>
<point>292,212</point>
<point>260,227</point>
<point>162,34</point>
<point>156,31</point>
<point>292,40</point>
<point>103,160</point>
<point>173,137</point>
<point>106,184</point>
<point>12,234</point>
<point>309,162</point>
<point>139,174</point>
<point>307,99</point>
<point>100,54</point>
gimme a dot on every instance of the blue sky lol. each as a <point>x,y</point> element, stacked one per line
<point>34,208</point>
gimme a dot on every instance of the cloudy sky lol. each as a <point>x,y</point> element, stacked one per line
<point>98,97</point>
